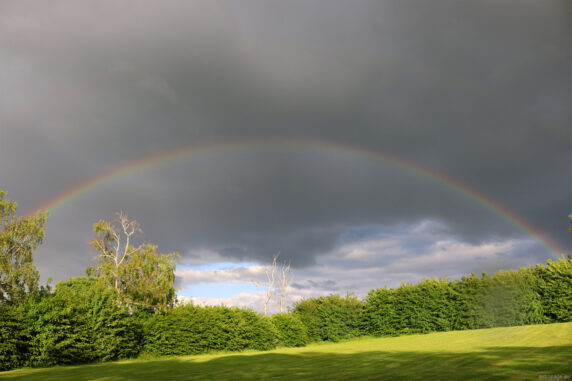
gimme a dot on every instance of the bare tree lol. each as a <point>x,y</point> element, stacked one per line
<point>278,278</point>
<point>284,281</point>
<point>270,283</point>
<point>113,243</point>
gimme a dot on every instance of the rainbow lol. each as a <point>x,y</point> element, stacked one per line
<point>166,157</point>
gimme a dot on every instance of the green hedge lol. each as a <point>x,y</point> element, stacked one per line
<point>80,322</point>
<point>510,298</point>
<point>291,331</point>
<point>191,329</point>
<point>330,318</point>
<point>541,294</point>
<point>424,307</point>
<point>554,285</point>
<point>13,338</point>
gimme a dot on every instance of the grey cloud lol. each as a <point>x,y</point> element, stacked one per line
<point>322,285</point>
<point>474,90</point>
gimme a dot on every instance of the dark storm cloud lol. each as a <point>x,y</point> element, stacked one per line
<point>476,90</point>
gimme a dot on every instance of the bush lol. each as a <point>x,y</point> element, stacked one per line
<point>554,286</point>
<point>80,322</point>
<point>330,318</point>
<point>468,294</point>
<point>379,314</point>
<point>291,331</point>
<point>541,294</point>
<point>177,332</point>
<point>424,307</point>
<point>191,329</point>
<point>510,299</point>
<point>261,333</point>
<point>13,339</point>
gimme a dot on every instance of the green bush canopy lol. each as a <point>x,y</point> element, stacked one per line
<point>82,320</point>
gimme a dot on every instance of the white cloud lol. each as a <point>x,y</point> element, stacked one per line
<point>367,263</point>
<point>246,300</point>
<point>450,254</point>
<point>238,274</point>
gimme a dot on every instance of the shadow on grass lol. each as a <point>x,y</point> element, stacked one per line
<point>516,363</point>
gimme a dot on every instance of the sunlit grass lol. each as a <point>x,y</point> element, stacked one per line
<point>514,353</point>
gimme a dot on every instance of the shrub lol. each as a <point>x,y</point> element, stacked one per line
<point>510,299</point>
<point>379,314</point>
<point>13,339</point>
<point>468,294</point>
<point>80,322</point>
<point>261,333</point>
<point>330,318</point>
<point>424,307</point>
<point>176,332</point>
<point>541,294</point>
<point>554,286</point>
<point>191,329</point>
<point>291,331</point>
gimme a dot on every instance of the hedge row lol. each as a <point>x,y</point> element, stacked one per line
<point>534,295</point>
<point>330,318</point>
<point>541,294</point>
<point>82,322</point>
<point>291,331</point>
<point>190,330</point>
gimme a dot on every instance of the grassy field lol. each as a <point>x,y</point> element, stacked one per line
<point>514,353</point>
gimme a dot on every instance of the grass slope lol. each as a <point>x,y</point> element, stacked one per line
<point>514,353</point>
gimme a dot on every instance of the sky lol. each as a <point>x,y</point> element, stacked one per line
<point>368,142</point>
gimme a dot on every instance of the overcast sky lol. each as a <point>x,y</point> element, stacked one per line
<point>477,91</point>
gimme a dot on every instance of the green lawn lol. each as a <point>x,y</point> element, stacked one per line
<point>514,353</point>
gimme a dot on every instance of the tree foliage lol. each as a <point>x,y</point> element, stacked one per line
<point>19,238</point>
<point>142,277</point>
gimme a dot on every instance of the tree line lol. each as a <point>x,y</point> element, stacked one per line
<point>125,306</point>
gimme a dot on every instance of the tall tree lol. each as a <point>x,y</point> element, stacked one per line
<point>113,243</point>
<point>285,278</point>
<point>270,283</point>
<point>141,275</point>
<point>278,279</point>
<point>148,278</point>
<point>19,238</point>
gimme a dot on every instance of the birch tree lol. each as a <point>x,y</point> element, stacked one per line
<point>141,275</point>
<point>19,238</point>
<point>270,283</point>
<point>278,279</point>
<point>113,243</point>
<point>285,278</point>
